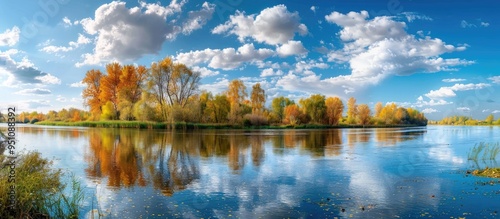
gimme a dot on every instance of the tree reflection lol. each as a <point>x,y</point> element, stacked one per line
<point>168,160</point>
<point>123,157</point>
<point>392,137</point>
<point>176,169</point>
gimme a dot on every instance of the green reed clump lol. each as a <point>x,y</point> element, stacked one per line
<point>484,151</point>
<point>39,190</point>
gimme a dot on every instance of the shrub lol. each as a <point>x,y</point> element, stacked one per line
<point>253,119</point>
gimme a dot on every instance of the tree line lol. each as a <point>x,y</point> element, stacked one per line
<point>467,120</point>
<point>169,92</point>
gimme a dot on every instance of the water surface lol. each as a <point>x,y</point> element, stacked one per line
<point>360,173</point>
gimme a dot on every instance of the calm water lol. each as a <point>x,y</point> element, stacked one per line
<point>359,173</point>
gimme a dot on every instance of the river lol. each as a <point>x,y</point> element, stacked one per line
<point>359,173</point>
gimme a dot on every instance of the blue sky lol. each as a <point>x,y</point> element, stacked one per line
<point>437,57</point>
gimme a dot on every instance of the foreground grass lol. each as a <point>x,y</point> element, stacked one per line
<point>184,125</point>
<point>485,152</point>
<point>487,172</point>
<point>39,190</point>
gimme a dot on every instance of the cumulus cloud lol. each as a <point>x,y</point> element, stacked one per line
<point>15,73</point>
<point>429,110</point>
<point>495,111</point>
<point>485,24</point>
<point>465,109</point>
<point>199,18</point>
<point>478,23</point>
<point>268,72</point>
<point>381,47</point>
<point>82,40</point>
<point>495,79</point>
<point>218,86</point>
<point>275,25</point>
<point>126,34</point>
<point>34,91</point>
<point>227,59</point>
<point>10,37</point>
<point>374,49</point>
<point>205,72</point>
<point>445,92</point>
<point>453,80</point>
<point>291,48</point>
<point>78,84</point>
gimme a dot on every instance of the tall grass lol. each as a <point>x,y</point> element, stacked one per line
<point>484,151</point>
<point>40,191</point>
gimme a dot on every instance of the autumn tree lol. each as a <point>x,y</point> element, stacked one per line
<point>363,114</point>
<point>378,109</point>
<point>489,120</point>
<point>278,107</point>
<point>131,80</point>
<point>352,110</point>
<point>387,114</point>
<point>334,109</point>
<point>314,107</point>
<point>236,93</point>
<point>258,98</point>
<point>182,85</point>
<point>161,74</point>
<point>110,87</point>
<point>292,114</point>
<point>91,94</point>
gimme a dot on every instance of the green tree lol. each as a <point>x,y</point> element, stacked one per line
<point>489,120</point>
<point>278,107</point>
<point>314,107</point>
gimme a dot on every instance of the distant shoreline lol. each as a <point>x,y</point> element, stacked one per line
<point>183,125</point>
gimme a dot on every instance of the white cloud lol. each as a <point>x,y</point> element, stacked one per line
<point>291,48</point>
<point>82,40</point>
<point>34,91</point>
<point>67,22</point>
<point>495,111</point>
<point>10,37</point>
<point>78,84</point>
<point>198,18</point>
<point>485,24</point>
<point>275,25</point>
<point>48,79</point>
<point>479,23</point>
<point>126,34</point>
<point>313,8</point>
<point>268,72</point>
<point>217,87</point>
<point>495,79</point>
<point>429,110</point>
<point>205,72</point>
<point>380,47</point>
<point>14,73</point>
<point>227,58</point>
<point>465,109</point>
<point>445,92</point>
<point>485,110</point>
<point>441,93</point>
<point>422,103</point>
<point>453,80</point>
<point>411,16</point>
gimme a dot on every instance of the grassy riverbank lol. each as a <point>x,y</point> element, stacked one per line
<point>184,125</point>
